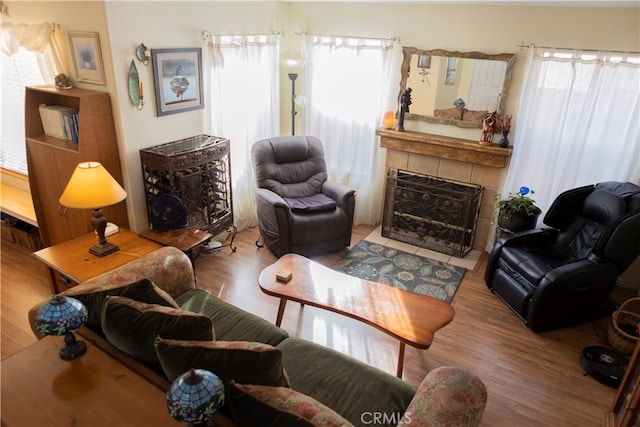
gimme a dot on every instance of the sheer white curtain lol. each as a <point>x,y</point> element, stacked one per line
<point>29,57</point>
<point>578,122</point>
<point>349,83</point>
<point>242,98</point>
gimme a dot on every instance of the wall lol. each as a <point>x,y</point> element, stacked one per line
<point>158,26</point>
<point>488,29</point>
<point>122,25</point>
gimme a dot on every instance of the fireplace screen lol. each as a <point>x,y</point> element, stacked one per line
<point>431,212</point>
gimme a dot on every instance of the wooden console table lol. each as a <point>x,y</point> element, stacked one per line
<point>70,263</point>
<point>41,389</point>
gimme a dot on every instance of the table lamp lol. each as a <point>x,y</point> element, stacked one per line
<point>63,316</point>
<point>195,396</point>
<point>92,187</point>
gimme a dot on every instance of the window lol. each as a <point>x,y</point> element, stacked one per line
<point>243,105</point>
<point>577,122</point>
<point>18,71</point>
<point>347,82</point>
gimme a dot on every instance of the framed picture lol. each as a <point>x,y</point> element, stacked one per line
<point>424,61</point>
<point>87,58</point>
<point>178,80</point>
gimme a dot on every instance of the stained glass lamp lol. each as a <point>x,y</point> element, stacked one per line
<point>63,316</point>
<point>195,396</point>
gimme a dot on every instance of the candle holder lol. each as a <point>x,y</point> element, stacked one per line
<point>143,54</point>
<point>140,105</point>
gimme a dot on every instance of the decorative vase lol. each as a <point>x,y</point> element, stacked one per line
<point>504,142</point>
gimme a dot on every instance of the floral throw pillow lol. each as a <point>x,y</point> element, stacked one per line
<point>253,405</point>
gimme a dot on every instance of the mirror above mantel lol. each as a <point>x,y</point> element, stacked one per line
<point>455,88</point>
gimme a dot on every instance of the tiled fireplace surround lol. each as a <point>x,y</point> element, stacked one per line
<point>451,158</point>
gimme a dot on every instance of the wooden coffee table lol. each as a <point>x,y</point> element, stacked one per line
<point>409,317</point>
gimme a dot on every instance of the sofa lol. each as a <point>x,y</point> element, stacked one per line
<point>150,315</point>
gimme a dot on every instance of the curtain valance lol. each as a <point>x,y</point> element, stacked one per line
<point>31,37</point>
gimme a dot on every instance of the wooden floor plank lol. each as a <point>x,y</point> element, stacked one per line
<point>532,379</point>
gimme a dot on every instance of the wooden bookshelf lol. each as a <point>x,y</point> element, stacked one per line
<point>51,160</point>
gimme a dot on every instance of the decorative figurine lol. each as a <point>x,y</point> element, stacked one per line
<point>505,126</point>
<point>405,101</point>
<point>488,128</point>
<point>63,82</point>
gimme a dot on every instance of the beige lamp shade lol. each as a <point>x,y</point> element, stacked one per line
<point>292,65</point>
<point>91,186</point>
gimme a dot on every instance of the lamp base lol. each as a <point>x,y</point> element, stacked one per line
<point>102,250</point>
<point>72,347</point>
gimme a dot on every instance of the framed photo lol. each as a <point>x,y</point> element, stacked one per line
<point>87,58</point>
<point>177,76</point>
<point>424,61</point>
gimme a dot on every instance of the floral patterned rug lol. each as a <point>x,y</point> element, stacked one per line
<point>402,270</point>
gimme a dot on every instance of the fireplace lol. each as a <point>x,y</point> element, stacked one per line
<point>431,212</point>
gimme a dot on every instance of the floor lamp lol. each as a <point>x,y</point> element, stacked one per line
<point>293,67</point>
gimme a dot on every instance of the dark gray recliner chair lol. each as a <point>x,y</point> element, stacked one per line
<point>298,209</point>
<point>560,275</point>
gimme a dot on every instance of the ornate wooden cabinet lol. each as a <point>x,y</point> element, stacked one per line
<point>198,171</point>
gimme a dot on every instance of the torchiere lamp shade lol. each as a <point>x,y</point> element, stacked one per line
<point>91,186</point>
<point>292,65</point>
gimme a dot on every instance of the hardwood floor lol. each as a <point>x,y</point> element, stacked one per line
<point>532,379</point>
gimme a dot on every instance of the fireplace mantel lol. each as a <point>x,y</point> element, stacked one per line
<point>445,147</point>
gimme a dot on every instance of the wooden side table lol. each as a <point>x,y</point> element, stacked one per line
<point>39,388</point>
<point>70,263</point>
<point>186,239</point>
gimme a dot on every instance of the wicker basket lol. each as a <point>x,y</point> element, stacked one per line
<point>623,320</point>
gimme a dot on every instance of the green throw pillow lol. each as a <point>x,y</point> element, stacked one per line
<point>143,290</point>
<point>232,323</point>
<point>132,326</point>
<point>253,405</point>
<point>241,361</point>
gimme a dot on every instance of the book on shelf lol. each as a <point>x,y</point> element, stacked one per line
<point>59,121</point>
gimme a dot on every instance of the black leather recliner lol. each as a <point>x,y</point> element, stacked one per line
<point>559,276</point>
<point>299,210</point>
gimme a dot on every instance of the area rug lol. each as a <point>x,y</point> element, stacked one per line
<point>402,270</point>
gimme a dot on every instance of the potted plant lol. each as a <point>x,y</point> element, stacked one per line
<point>518,212</point>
